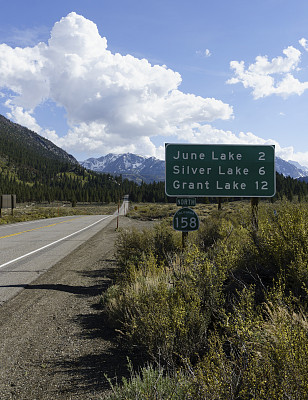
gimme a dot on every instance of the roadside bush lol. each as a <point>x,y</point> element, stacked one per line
<point>208,233</point>
<point>133,246</point>
<point>260,352</point>
<point>280,246</point>
<point>150,211</point>
<point>262,355</point>
<point>213,228</point>
<point>257,353</point>
<point>289,243</point>
<point>152,384</point>
<point>166,300</point>
<point>229,312</point>
<point>161,312</point>
<point>167,242</point>
<point>215,377</point>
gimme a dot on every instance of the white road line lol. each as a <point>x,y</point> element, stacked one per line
<point>50,244</point>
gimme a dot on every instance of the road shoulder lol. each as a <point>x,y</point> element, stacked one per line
<point>54,343</point>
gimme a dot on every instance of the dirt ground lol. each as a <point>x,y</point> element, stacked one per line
<point>54,343</point>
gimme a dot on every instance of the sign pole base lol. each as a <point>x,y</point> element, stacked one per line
<point>254,212</point>
<point>184,239</point>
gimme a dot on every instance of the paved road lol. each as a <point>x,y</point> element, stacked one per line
<point>29,249</point>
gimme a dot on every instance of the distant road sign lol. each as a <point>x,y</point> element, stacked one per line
<point>185,220</point>
<point>201,170</point>
<point>8,201</point>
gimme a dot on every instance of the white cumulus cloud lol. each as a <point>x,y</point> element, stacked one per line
<point>207,134</point>
<point>118,103</point>
<point>303,42</point>
<point>113,102</point>
<point>266,77</point>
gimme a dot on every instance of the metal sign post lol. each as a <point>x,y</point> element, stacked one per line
<point>254,213</point>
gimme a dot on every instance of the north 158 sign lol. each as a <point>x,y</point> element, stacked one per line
<point>186,220</point>
<point>220,170</point>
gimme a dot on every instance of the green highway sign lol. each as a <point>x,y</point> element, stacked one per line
<point>201,170</point>
<point>186,201</point>
<point>185,220</point>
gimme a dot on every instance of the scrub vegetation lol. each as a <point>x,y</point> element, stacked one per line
<point>224,318</point>
<point>29,212</point>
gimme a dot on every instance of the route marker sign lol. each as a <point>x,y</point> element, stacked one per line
<point>186,201</point>
<point>201,170</point>
<point>185,220</point>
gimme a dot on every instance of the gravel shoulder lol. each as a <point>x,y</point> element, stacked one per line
<point>54,342</point>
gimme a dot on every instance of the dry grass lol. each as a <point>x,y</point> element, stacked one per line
<point>155,211</point>
<point>28,212</point>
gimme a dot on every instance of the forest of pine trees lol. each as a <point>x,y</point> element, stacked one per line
<point>36,170</point>
<point>87,186</point>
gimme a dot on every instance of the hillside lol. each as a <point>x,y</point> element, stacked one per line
<point>26,156</point>
<point>22,145</point>
<point>35,169</point>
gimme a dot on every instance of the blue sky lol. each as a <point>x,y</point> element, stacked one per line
<point>102,76</point>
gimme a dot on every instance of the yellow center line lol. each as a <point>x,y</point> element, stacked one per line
<point>36,229</point>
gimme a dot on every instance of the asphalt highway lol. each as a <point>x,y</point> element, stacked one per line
<point>29,249</point>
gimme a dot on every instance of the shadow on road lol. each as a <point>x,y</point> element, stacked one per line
<point>105,274</point>
<point>94,290</point>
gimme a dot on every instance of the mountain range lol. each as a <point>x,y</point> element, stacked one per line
<point>130,166</point>
<point>149,169</point>
<point>35,169</point>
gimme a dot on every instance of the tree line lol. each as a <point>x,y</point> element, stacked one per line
<point>76,184</point>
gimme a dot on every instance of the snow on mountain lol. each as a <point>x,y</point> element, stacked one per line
<point>290,168</point>
<point>131,166</point>
<point>301,167</point>
<point>149,169</point>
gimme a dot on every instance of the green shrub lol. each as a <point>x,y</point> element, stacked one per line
<point>282,245</point>
<point>151,384</point>
<point>215,377</point>
<point>263,353</point>
<point>230,310</point>
<point>213,228</point>
<point>279,246</point>
<point>150,211</point>
<point>132,245</point>
<point>162,314</point>
<point>208,233</point>
<point>167,242</point>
